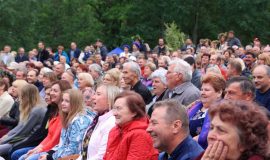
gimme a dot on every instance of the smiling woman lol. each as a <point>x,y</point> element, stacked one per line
<point>238,132</point>
<point>129,139</point>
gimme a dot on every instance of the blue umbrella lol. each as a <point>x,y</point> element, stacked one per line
<point>116,51</point>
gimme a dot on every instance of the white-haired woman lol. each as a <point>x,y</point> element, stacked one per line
<point>159,88</point>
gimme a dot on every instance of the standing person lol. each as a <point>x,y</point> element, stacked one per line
<point>232,40</point>
<point>75,121</point>
<point>129,139</point>
<point>32,112</point>
<point>169,129</point>
<point>6,57</point>
<point>101,49</point>
<point>161,48</point>
<point>43,54</point>
<point>21,56</point>
<point>73,52</point>
<point>131,75</point>
<point>60,52</point>
<point>36,145</point>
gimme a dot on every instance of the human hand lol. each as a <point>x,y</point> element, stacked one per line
<point>216,151</point>
<point>43,157</point>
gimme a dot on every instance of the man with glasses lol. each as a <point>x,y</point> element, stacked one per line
<point>179,84</point>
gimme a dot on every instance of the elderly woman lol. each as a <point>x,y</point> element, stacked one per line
<point>85,80</point>
<point>212,90</point>
<point>129,139</point>
<point>96,72</point>
<point>96,137</point>
<point>149,68</point>
<point>159,88</point>
<point>112,77</point>
<point>238,132</point>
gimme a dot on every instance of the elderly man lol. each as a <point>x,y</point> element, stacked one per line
<point>179,83</point>
<point>240,88</point>
<point>169,129</point>
<point>131,75</point>
<point>261,77</point>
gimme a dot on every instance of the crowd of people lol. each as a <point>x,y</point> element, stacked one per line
<point>209,101</point>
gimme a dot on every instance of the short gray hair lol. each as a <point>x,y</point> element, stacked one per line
<point>182,67</point>
<point>160,73</point>
<point>174,111</point>
<point>96,68</point>
<point>134,67</point>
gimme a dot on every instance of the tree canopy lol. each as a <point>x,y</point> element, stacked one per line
<point>24,23</point>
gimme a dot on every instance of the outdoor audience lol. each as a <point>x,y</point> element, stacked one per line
<point>206,101</point>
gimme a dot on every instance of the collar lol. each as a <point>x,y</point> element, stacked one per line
<point>136,85</point>
<point>105,116</point>
<point>179,150</point>
<point>181,88</point>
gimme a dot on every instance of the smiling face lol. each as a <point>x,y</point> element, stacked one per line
<point>158,86</point>
<point>65,105</point>
<point>121,112</point>
<point>159,129</point>
<point>128,75</point>
<point>228,134</point>
<point>208,94</point>
<point>261,79</point>
<point>55,94</point>
<point>100,100</point>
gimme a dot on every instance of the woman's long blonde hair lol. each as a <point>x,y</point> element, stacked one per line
<point>29,98</point>
<point>76,106</point>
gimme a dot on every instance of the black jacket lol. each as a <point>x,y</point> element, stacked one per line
<point>143,91</point>
<point>12,120</point>
<point>43,55</point>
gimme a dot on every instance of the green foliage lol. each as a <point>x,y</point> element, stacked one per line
<point>173,36</point>
<point>25,22</point>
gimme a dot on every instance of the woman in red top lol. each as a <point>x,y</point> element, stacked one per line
<point>129,139</point>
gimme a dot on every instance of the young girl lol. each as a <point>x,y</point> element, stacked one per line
<point>75,121</point>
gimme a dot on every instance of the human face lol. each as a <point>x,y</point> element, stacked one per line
<point>161,42</point>
<point>147,71</point>
<point>59,70</point>
<point>175,55</point>
<point>19,75</point>
<point>93,73</point>
<point>122,113</point>
<point>227,133</point>
<point>98,58</point>
<point>55,94</point>
<point>161,63</point>
<point>73,46</point>
<point>261,79</point>
<point>208,94</point>
<point>100,100</point>
<point>14,91</point>
<point>261,62</point>
<point>46,81</point>
<point>213,59</point>
<point>2,89</point>
<point>128,75</point>
<point>141,62</point>
<point>107,79</point>
<point>230,71</point>
<point>205,60</point>
<point>172,77</point>
<point>31,77</point>
<point>65,105</point>
<point>234,92</point>
<point>249,59</point>
<point>47,96</point>
<point>81,83</point>
<point>67,77</point>
<point>159,129</point>
<point>40,45</point>
<point>158,86</point>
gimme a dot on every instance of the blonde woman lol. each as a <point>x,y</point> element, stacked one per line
<point>75,121</point>
<point>112,77</point>
<point>85,80</point>
<point>32,112</point>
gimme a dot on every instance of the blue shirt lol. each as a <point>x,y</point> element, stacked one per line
<point>263,99</point>
<point>188,149</point>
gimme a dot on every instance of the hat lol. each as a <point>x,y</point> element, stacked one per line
<point>132,58</point>
<point>136,44</point>
<point>126,46</point>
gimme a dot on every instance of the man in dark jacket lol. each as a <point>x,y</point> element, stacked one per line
<point>232,40</point>
<point>21,56</point>
<point>43,54</point>
<point>169,129</point>
<point>102,49</point>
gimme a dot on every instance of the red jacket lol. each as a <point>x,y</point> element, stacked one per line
<point>131,142</point>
